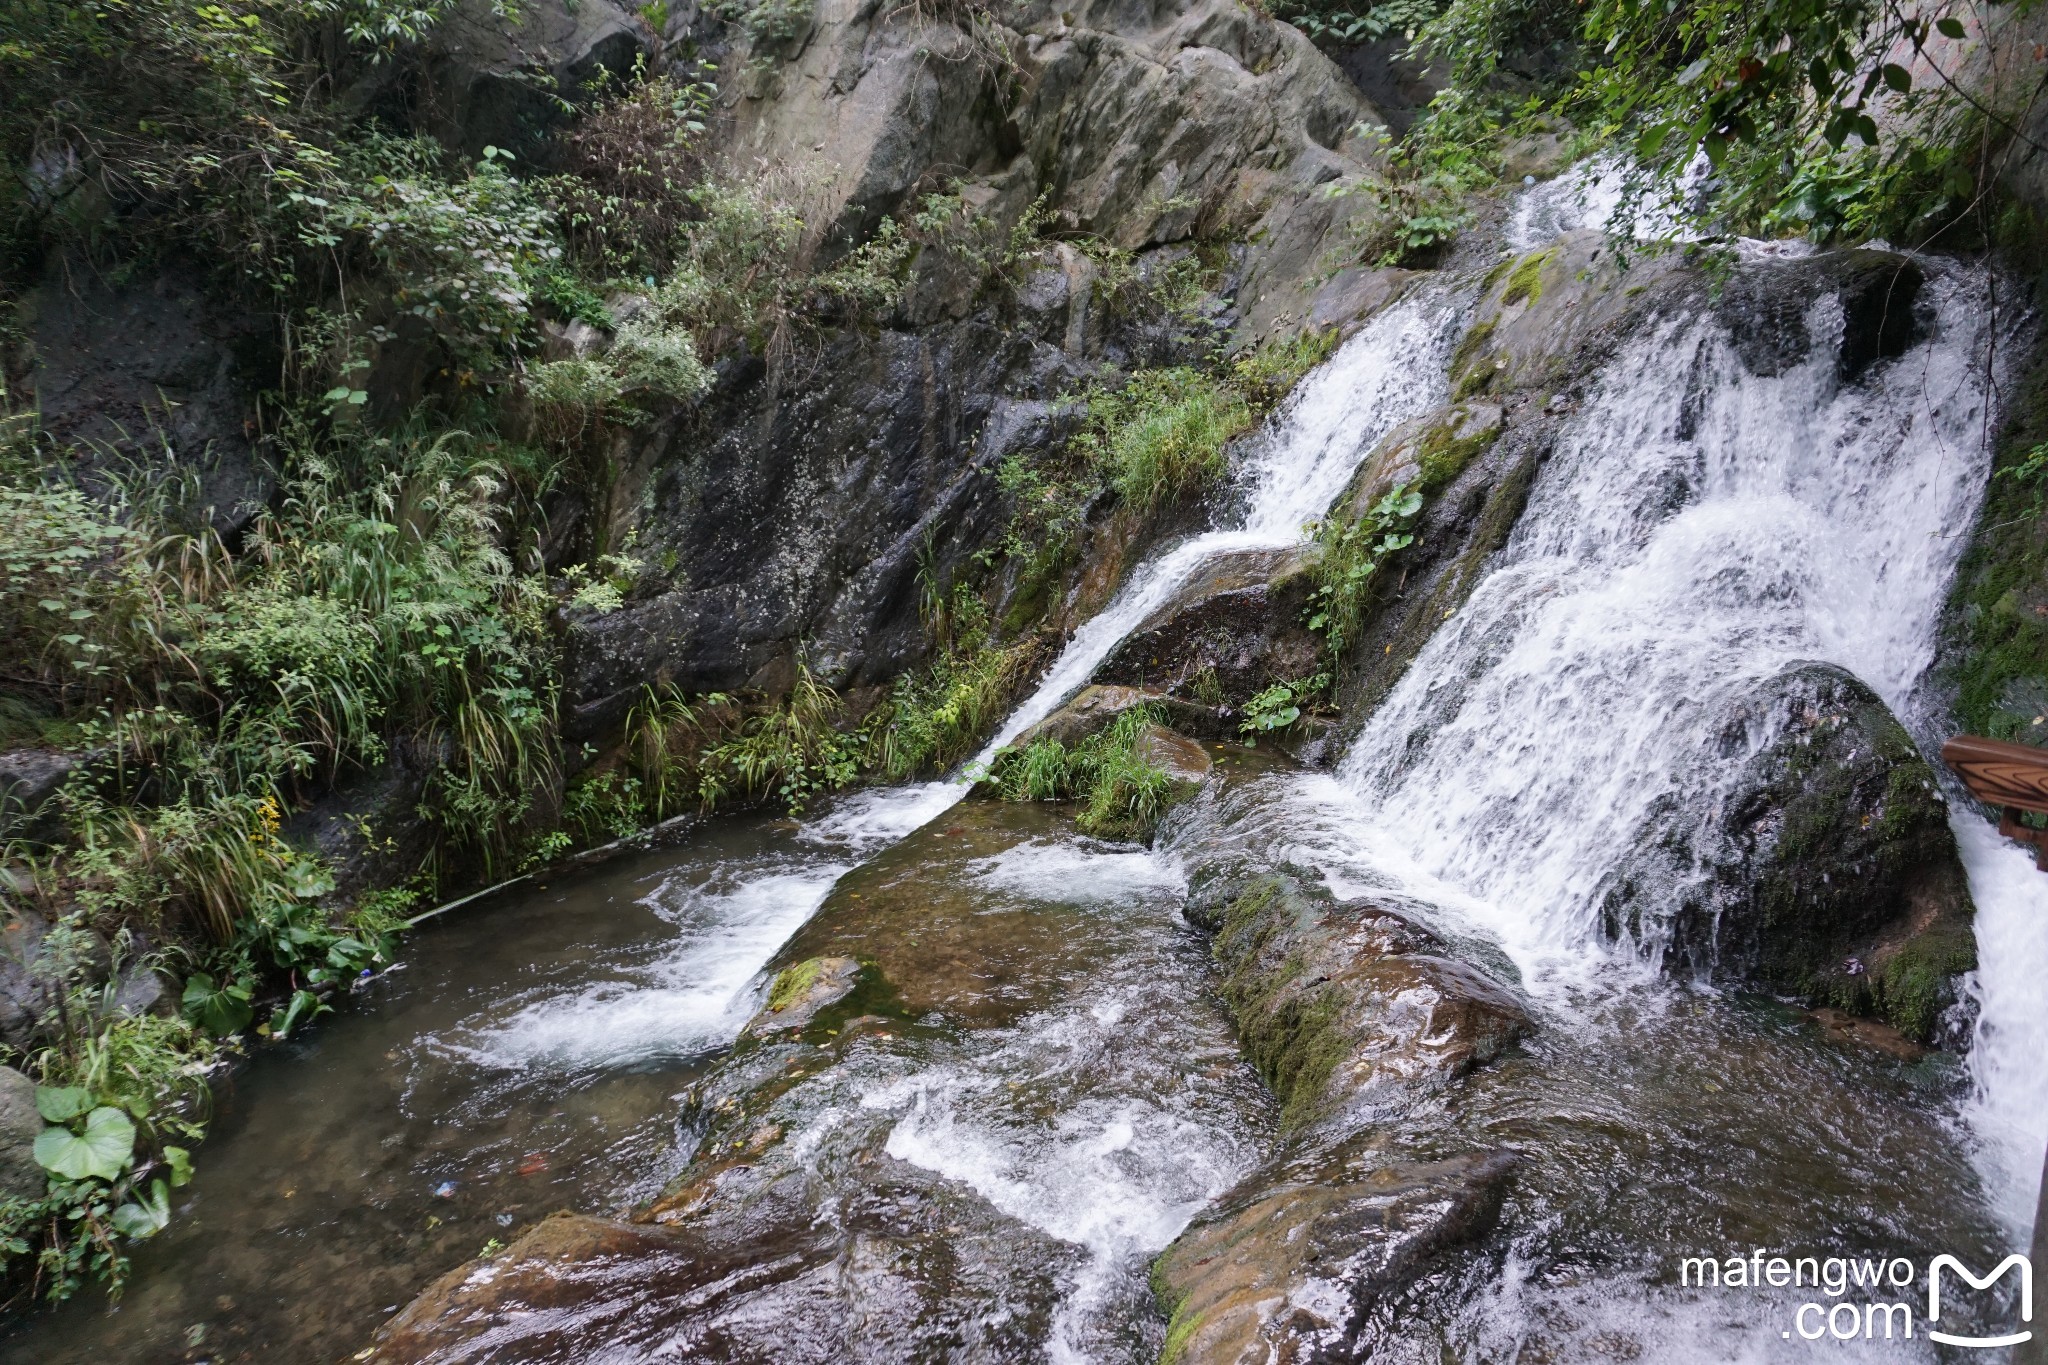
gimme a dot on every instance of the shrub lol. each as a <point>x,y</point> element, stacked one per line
<point>1352,553</point>
<point>1122,794</point>
<point>1162,437</point>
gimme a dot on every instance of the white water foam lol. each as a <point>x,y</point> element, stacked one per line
<point>1061,870</point>
<point>2008,1108</point>
<point>694,997</point>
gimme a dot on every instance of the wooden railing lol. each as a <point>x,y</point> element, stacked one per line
<point>2012,777</point>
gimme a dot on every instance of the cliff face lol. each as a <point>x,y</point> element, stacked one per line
<point>793,506</point>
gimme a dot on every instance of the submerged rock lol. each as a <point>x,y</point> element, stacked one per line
<point>1295,1266</point>
<point>1828,870</point>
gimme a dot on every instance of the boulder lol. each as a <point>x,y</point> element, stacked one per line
<point>1829,870</point>
<point>1347,1008</point>
<point>1299,1263</point>
<point>1234,628</point>
<point>21,1176</point>
<point>1182,759</point>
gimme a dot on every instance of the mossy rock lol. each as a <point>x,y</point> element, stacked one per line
<point>1832,873</point>
<point>800,992</point>
<point>1297,1263</point>
<point>1325,994</point>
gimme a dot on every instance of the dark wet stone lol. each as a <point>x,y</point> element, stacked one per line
<point>1233,629</point>
<point>1830,871</point>
<point>1300,1264</point>
<point>1765,306</point>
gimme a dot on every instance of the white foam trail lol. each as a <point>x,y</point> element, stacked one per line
<point>1058,870</point>
<point>694,997</point>
<point>1111,1169</point>
<point>2008,1108</point>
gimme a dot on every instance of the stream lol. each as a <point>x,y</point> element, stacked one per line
<point>1061,1090</point>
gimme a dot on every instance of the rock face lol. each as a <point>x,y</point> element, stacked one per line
<point>158,374</point>
<point>1829,871</point>
<point>21,1177</point>
<point>1233,629</point>
<point>1142,124</point>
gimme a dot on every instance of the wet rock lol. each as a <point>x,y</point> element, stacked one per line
<point>1555,313</point>
<point>1768,309</point>
<point>1426,453</point>
<point>153,372</point>
<point>1302,1264</point>
<point>1830,871</point>
<point>800,991</point>
<point>1184,761</point>
<point>1347,1008</point>
<point>1234,628</point>
<point>21,1177</point>
<point>577,1288</point>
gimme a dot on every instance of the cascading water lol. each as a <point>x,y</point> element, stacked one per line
<point>1697,528</point>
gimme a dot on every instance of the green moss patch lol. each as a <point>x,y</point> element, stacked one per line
<point>1525,281</point>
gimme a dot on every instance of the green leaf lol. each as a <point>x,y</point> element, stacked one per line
<point>218,1010</point>
<point>147,1215</point>
<point>62,1103</point>
<point>101,1152</point>
<point>1950,28</point>
<point>1897,77</point>
<point>180,1162</point>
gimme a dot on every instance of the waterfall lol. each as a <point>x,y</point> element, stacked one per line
<point>1698,529</point>
<point>701,992</point>
<point>1393,369</point>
